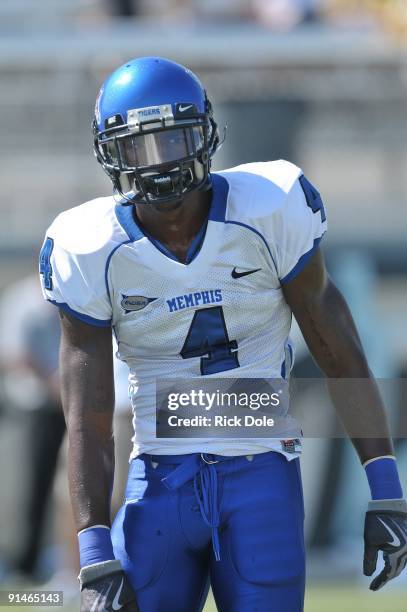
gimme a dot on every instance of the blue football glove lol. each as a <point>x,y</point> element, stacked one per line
<point>386,530</point>
<point>105,588</point>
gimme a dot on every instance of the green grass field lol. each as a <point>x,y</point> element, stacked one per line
<point>346,599</point>
<point>319,599</point>
<point>352,599</point>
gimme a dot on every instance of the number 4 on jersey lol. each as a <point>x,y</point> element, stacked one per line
<point>45,264</point>
<point>208,336</point>
<point>312,197</point>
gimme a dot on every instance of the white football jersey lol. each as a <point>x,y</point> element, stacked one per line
<point>265,221</point>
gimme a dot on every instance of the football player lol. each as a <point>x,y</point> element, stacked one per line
<point>198,273</point>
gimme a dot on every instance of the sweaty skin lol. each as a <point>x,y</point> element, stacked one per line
<point>86,366</point>
<point>176,224</point>
<point>87,370</point>
<point>330,333</point>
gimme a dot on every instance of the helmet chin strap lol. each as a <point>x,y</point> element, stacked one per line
<point>163,187</point>
<point>174,181</point>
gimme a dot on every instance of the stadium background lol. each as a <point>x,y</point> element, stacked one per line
<point>321,83</point>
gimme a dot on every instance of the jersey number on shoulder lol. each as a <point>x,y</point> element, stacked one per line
<point>313,198</point>
<point>45,264</point>
<point>208,336</point>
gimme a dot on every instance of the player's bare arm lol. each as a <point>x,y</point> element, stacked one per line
<point>88,398</point>
<point>331,335</point>
<point>87,389</point>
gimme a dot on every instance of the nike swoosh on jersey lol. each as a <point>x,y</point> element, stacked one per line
<point>115,604</point>
<point>236,274</point>
<point>184,108</point>
<point>395,540</point>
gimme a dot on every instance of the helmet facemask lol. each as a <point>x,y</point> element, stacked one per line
<point>157,156</point>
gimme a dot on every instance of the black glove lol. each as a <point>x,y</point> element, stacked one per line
<point>386,530</point>
<point>105,588</point>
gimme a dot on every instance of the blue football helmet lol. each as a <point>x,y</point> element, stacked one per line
<point>154,133</point>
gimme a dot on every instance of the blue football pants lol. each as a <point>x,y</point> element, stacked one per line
<point>183,513</point>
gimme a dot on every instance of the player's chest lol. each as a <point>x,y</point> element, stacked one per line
<point>231,288</point>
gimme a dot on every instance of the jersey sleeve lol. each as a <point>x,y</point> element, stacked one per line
<point>301,223</point>
<point>73,279</point>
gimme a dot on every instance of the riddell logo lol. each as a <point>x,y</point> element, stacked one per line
<point>149,111</point>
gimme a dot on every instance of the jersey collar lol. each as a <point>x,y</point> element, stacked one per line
<point>217,211</point>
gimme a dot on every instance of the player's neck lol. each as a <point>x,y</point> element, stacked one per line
<point>176,227</point>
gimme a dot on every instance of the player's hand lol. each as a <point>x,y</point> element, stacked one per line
<point>105,588</point>
<point>386,530</point>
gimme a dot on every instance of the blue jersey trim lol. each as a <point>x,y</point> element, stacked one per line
<point>252,229</point>
<point>82,317</point>
<point>108,263</point>
<point>124,215</point>
<point>197,243</point>
<point>126,219</point>
<point>219,202</point>
<point>217,212</point>
<point>284,372</point>
<point>160,246</point>
<point>312,197</point>
<point>290,348</point>
<point>193,249</point>
<point>301,263</point>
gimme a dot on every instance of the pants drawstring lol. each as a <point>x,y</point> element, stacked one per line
<point>207,496</point>
<point>205,479</point>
